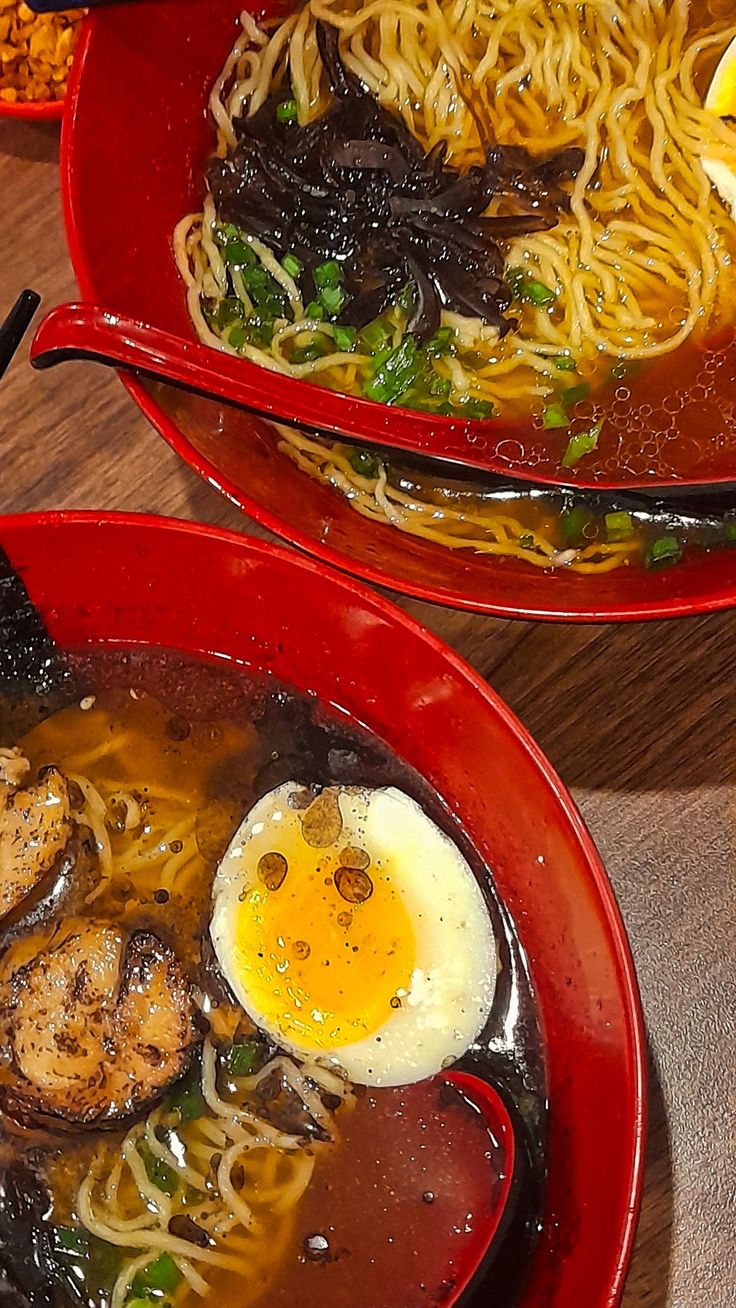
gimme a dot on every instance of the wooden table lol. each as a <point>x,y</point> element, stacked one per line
<point>640,721</point>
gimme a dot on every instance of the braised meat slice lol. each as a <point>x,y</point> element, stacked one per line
<point>97,1024</point>
<point>35,826</point>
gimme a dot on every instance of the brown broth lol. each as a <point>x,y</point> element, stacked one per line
<point>217,740</point>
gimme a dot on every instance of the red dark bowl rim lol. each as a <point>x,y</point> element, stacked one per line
<point>432,591</point>
<point>387,610</point>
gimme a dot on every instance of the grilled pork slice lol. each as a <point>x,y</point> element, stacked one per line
<point>35,826</point>
<point>98,1024</point>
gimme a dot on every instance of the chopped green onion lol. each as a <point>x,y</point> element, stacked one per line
<point>236,337</point>
<point>286,112</point>
<point>375,335</point>
<point>663,552</point>
<point>564,363</point>
<point>364,463</point>
<point>526,541</point>
<point>345,338</point>
<point>573,524</point>
<point>238,255</point>
<point>472,408</point>
<point>187,1099</point>
<point>327,274</point>
<point>395,373</point>
<point>291,265</point>
<point>268,297</point>
<point>619,526</point>
<point>71,1240</point>
<point>555,415</point>
<point>143,1303</point>
<point>315,310</point>
<point>317,348</point>
<point>440,386</point>
<point>225,232</point>
<point>574,394</point>
<point>527,288</point>
<point>240,1059</point>
<point>161,1276</point>
<point>443,342</point>
<point>223,313</point>
<point>158,1172</point>
<point>583,442</point>
<point>729,529</point>
<point>332,298</point>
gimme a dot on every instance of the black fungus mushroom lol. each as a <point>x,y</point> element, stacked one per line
<point>355,185</point>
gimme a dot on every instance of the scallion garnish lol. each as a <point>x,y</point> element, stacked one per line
<point>345,338</point>
<point>364,463</point>
<point>161,1275</point>
<point>443,342</point>
<point>583,442</point>
<point>223,313</point>
<point>555,415</point>
<point>394,374</point>
<point>240,1059</point>
<point>527,288</point>
<point>574,394</point>
<point>729,529</point>
<point>291,265</point>
<point>327,274</point>
<point>472,408</point>
<point>564,363</point>
<point>332,298</point>
<point>287,112</point>
<point>573,523</point>
<point>374,336</point>
<point>663,552</point>
<point>158,1172</point>
<point>315,310</point>
<point>619,526</point>
<point>314,349</point>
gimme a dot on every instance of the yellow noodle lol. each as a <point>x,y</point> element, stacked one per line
<point>118,1203</point>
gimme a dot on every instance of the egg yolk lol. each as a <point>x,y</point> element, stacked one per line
<point>321,962</point>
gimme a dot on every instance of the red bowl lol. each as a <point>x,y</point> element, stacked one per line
<point>48,111</point>
<point>128,176</point>
<point>276,612</point>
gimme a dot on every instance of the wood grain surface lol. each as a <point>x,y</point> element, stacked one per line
<point>640,721</point>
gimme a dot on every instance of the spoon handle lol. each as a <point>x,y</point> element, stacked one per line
<point>74,331</point>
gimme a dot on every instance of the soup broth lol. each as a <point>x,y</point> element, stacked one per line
<point>255,1174</point>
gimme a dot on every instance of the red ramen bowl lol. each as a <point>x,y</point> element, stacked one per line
<point>277,613</point>
<point>129,174</point>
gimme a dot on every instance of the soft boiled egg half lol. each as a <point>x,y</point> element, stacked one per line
<point>721,100</point>
<point>353,931</point>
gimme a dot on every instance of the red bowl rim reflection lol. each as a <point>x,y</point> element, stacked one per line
<point>719,597</point>
<point>141,525</point>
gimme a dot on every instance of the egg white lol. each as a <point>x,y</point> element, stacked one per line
<point>449,997</point>
<point>721,100</point>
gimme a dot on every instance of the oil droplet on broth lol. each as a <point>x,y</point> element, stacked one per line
<point>272,869</point>
<point>353,885</point>
<point>322,821</point>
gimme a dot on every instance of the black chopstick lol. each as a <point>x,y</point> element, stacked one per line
<point>16,325</point>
